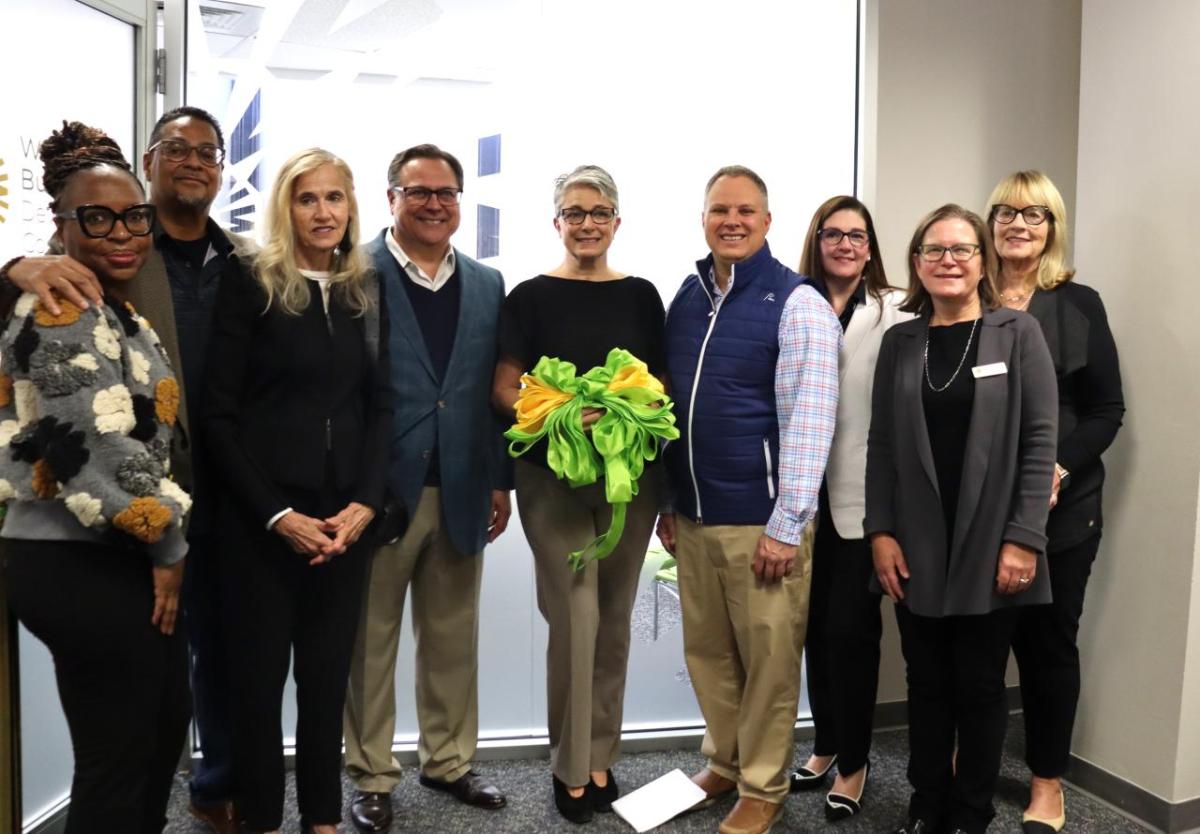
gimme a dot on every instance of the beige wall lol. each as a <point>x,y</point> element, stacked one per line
<point>1139,129</point>
<point>968,91</point>
<point>964,92</point>
<point>1100,94</point>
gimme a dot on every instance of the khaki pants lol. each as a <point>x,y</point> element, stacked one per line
<point>743,641</point>
<point>445,600</point>
<point>587,611</point>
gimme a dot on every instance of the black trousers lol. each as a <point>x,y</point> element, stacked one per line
<point>841,650</point>
<point>123,683</point>
<point>955,689</point>
<point>1048,659</point>
<point>281,609</point>
<point>212,775</point>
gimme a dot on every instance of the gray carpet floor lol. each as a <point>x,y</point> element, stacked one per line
<point>531,806</point>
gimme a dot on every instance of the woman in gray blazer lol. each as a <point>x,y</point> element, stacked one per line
<point>960,459</point>
<point>841,650</point>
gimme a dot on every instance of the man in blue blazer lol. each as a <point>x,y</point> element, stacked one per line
<point>449,467</point>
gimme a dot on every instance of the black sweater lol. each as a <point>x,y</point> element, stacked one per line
<point>1091,404</point>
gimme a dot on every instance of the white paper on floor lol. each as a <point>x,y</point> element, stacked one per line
<point>653,804</point>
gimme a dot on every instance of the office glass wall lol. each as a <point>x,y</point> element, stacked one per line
<point>62,60</point>
<point>661,94</point>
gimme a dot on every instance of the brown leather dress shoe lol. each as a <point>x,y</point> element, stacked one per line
<point>470,788</point>
<point>714,786</point>
<point>751,816</point>
<point>216,815</point>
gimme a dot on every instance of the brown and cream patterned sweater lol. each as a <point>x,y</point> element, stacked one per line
<point>88,402</point>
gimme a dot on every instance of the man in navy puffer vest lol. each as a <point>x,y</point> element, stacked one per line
<point>752,354</point>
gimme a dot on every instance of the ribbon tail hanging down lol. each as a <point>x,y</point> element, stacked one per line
<point>604,544</point>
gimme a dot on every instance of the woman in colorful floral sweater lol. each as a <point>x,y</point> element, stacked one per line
<point>94,548</point>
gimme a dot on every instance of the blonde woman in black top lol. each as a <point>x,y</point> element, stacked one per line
<point>298,415</point>
<point>1029,226</point>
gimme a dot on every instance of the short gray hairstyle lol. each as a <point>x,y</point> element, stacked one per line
<point>589,176</point>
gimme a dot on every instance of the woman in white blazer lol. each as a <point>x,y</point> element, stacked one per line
<point>844,626</point>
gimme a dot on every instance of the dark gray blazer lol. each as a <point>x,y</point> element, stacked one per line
<point>456,412</point>
<point>1008,467</point>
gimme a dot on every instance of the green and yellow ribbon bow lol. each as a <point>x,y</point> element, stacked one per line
<point>637,412</point>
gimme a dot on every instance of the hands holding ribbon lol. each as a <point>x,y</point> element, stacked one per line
<point>636,416</point>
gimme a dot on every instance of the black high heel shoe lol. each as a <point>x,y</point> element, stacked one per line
<point>838,806</point>
<point>603,797</point>
<point>576,809</point>
<point>804,779</point>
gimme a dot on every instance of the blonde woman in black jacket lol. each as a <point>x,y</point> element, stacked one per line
<point>298,416</point>
<point>1029,225</point>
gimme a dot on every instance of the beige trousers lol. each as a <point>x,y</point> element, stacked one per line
<point>445,616</point>
<point>587,611</point>
<point>743,641</point>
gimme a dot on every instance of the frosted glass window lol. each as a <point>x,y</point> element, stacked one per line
<point>661,94</point>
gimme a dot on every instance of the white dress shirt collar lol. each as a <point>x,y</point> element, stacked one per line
<point>415,273</point>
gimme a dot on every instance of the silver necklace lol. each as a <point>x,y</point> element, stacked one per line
<point>1016,302</point>
<point>954,376</point>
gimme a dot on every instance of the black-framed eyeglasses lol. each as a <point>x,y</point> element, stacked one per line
<point>959,251</point>
<point>418,195</point>
<point>601,215</point>
<point>99,221</point>
<point>858,238</point>
<point>1034,215</point>
<point>178,151</point>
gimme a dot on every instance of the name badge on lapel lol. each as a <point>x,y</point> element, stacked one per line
<point>994,369</point>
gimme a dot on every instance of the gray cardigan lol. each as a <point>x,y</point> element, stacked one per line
<point>1008,467</point>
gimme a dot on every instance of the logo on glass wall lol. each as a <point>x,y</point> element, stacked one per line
<point>245,168</point>
<point>3,193</point>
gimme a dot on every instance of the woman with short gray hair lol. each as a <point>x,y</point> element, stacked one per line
<point>578,312</point>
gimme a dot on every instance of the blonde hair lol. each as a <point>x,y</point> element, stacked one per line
<point>1033,188</point>
<point>276,268</point>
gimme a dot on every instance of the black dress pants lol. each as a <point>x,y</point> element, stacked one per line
<point>1048,659</point>
<point>212,775</point>
<point>841,650</point>
<point>955,688</point>
<point>122,682</point>
<point>282,609</point>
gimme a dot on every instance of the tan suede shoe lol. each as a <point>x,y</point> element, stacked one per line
<point>714,786</point>
<point>751,816</point>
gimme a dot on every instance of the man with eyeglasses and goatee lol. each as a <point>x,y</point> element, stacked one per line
<point>450,471</point>
<point>176,290</point>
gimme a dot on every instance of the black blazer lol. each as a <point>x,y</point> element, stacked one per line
<point>1008,466</point>
<point>291,400</point>
<point>1090,404</point>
